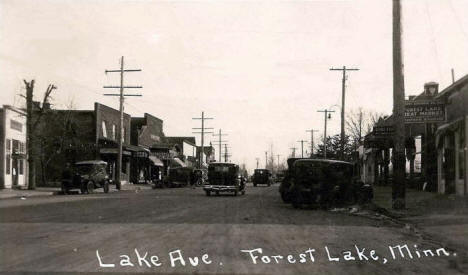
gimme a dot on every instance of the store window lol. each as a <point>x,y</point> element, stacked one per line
<point>113,131</point>
<point>8,164</point>
<point>21,166</point>
<point>461,154</point>
<point>104,129</point>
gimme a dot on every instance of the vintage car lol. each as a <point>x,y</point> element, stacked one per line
<point>262,176</point>
<point>279,176</point>
<point>224,177</point>
<point>178,176</point>
<point>87,176</point>
<point>322,182</point>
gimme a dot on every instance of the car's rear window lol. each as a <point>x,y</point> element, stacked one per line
<point>83,168</point>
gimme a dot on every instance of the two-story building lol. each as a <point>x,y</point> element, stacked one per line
<point>13,161</point>
<point>146,132</point>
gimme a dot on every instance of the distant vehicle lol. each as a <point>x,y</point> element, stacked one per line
<point>178,176</point>
<point>87,176</point>
<point>323,182</point>
<point>262,176</point>
<point>279,176</point>
<point>224,177</point>
<point>200,176</point>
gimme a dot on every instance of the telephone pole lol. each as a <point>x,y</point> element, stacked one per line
<point>266,159</point>
<point>399,161</point>
<point>277,169</point>
<point>203,132</point>
<point>257,159</point>
<point>343,96</point>
<point>311,141</point>
<point>293,151</point>
<point>220,135</point>
<point>302,147</point>
<point>327,116</point>
<point>121,96</point>
<point>226,154</point>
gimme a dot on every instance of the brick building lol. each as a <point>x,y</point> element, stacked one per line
<point>75,135</point>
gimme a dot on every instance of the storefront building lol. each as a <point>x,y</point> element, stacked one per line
<point>451,139</point>
<point>13,161</point>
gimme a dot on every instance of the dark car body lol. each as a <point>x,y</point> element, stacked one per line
<point>224,177</point>
<point>178,176</point>
<point>87,176</point>
<point>262,176</point>
<point>324,182</point>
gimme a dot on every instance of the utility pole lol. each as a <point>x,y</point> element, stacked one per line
<point>311,141</point>
<point>121,96</point>
<point>257,161</point>
<point>343,96</point>
<point>302,147</point>
<point>277,169</point>
<point>29,134</point>
<point>203,132</point>
<point>327,116</point>
<point>399,161</point>
<point>453,76</point>
<point>226,154</point>
<point>219,135</point>
<point>293,151</point>
<point>266,159</point>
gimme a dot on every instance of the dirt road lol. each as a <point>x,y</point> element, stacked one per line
<point>183,231</point>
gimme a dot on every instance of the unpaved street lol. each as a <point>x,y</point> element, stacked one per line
<point>64,233</point>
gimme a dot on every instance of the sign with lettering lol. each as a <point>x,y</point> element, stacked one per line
<point>383,130</point>
<point>424,111</point>
<point>15,125</point>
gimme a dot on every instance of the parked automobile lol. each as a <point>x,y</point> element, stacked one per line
<point>87,176</point>
<point>262,176</point>
<point>285,182</point>
<point>322,182</point>
<point>200,176</point>
<point>178,177</point>
<point>224,177</point>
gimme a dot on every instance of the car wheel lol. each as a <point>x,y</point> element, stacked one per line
<point>243,192</point>
<point>235,193</point>
<point>106,187</point>
<point>217,193</point>
<point>90,187</point>
<point>255,185</point>
<point>285,197</point>
<point>65,190</point>
<point>208,193</point>
<point>297,199</point>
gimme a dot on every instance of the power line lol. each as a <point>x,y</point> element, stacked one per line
<point>202,118</point>
<point>121,96</point>
<point>343,96</point>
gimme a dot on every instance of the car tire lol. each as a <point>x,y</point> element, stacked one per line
<point>235,193</point>
<point>90,187</point>
<point>83,188</point>
<point>297,200</point>
<point>217,193</point>
<point>255,185</point>
<point>285,197</point>
<point>105,187</point>
<point>208,193</point>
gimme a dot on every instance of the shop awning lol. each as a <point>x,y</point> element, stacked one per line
<point>175,162</point>
<point>156,161</point>
<point>114,151</point>
<point>447,127</point>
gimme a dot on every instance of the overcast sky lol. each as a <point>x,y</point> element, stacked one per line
<point>260,68</point>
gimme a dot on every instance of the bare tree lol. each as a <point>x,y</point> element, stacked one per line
<point>33,117</point>
<point>359,123</point>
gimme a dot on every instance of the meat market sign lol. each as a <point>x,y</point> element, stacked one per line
<point>424,111</point>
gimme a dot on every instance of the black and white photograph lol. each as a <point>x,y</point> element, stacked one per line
<point>234,137</point>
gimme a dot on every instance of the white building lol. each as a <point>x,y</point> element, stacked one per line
<point>13,162</point>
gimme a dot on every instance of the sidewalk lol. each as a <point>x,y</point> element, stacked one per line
<point>49,191</point>
<point>441,218</point>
